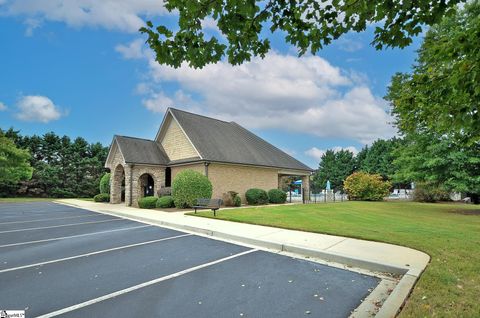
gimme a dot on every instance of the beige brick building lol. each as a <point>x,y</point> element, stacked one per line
<point>233,158</point>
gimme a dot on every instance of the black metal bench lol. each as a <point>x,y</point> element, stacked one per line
<point>208,204</point>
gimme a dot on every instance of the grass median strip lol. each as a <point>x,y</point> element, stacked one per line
<point>449,233</point>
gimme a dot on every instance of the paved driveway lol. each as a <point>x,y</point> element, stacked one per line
<point>61,260</point>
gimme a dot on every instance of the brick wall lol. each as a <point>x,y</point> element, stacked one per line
<point>196,167</point>
<point>237,178</point>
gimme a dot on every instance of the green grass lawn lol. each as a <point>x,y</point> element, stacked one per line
<point>449,233</point>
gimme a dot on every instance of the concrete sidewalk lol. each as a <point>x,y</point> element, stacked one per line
<point>372,256</point>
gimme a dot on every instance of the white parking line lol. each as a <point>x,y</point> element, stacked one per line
<point>142,285</point>
<point>72,224</point>
<point>73,236</point>
<point>51,219</point>
<point>93,253</point>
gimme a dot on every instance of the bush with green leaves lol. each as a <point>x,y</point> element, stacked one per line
<point>188,186</point>
<point>237,201</point>
<point>165,202</point>
<point>230,198</point>
<point>105,183</point>
<point>147,202</point>
<point>424,192</point>
<point>277,196</point>
<point>102,197</point>
<point>256,196</point>
<point>362,186</point>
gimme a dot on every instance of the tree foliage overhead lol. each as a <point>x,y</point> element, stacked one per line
<point>308,25</point>
<point>442,93</point>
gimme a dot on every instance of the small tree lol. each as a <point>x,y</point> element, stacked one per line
<point>188,186</point>
<point>366,187</point>
<point>14,162</point>
<point>105,183</point>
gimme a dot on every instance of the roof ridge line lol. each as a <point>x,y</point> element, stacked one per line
<point>198,115</point>
<point>134,138</point>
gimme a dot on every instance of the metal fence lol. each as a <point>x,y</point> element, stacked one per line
<point>312,196</point>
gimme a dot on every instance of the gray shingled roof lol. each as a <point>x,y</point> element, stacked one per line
<point>137,150</point>
<point>222,141</point>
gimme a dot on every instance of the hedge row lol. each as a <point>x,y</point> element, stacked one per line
<point>155,202</point>
<point>258,196</point>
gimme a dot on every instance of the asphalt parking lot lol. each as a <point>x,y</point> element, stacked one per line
<point>61,260</point>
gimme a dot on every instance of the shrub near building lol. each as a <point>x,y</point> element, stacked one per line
<point>363,186</point>
<point>105,183</point>
<point>102,197</point>
<point>165,202</point>
<point>188,186</point>
<point>277,196</point>
<point>256,196</point>
<point>147,202</point>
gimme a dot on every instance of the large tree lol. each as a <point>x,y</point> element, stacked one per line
<point>440,162</point>
<point>14,162</point>
<point>61,167</point>
<point>442,93</point>
<point>436,107</point>
<point>334,166</point>
<point>379,157</point>
<point>247,26</point>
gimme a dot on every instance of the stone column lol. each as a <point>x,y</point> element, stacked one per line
<point>159,180</point>
<point>116,185</point>
<point>129,190</point>
<point>306,186</point>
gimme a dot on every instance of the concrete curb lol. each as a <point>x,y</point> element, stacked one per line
<point>390,307</point>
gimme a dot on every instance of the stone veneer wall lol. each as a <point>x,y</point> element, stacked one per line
<point>157,173</point>
<point>176,144</point>
<point>116,166</point>
<point>120,170</point>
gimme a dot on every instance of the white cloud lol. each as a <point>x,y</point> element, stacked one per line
<point>158,102</point>
<point>3,107</point>
<point>31,24</point>
<point>348,44</point>
<point>37,108</point>
<point>306,95</point>
<point>133,50</point>
<point>123,15</point>
<point>317,154</point>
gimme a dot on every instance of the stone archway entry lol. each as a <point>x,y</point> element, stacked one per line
<point>117,190</point>
<point>147,185</point>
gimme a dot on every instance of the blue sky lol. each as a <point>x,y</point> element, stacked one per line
<point>82,70</point>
